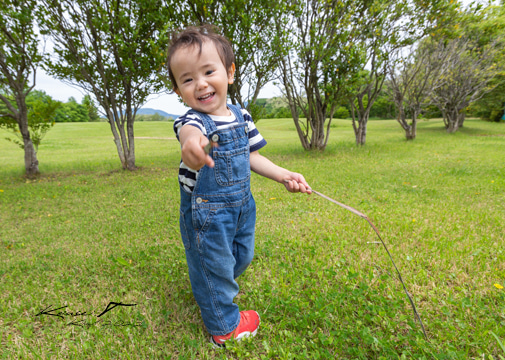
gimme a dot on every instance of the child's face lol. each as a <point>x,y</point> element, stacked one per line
<point>202,80</point>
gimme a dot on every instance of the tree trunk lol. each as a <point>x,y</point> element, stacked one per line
<point>360,130</point>
<point>119,147</point>
<point>410,133</point>
<point>452,126</point>
<point>318,139</point>
<point>461,119</point>
<point>363,113</point>
<point>410,130</point>
<point>31,162</point>
<point>361,134</point>
<point>291,96</point>
<point>130,161</point>
<point>452,121</point>
<point>124,142</point>
<point>130,157</point>
<point>301,135</point>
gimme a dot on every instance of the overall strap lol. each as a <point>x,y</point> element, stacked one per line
<point>236,111</point>
<point>207,121</point>
<point>210,126</point>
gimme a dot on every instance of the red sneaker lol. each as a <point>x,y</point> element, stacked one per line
<point>248,326</point>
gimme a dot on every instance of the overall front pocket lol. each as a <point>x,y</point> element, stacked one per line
<point>232,167</point>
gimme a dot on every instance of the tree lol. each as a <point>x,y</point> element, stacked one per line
<point>319,51</point>
<point>473,45</point>
<point>152,117</point>
<point>383,107</point>
<point>19,59</point>
<point>250,27</point>
<point>41,109</point>
<point>274,108</point>
<point>71,111</point>
<point>470,70</point>
<point>385,27</point>
<point>112,49</point>
<point>90,106</point>
<point>491,107</point>
<point>412,80</point>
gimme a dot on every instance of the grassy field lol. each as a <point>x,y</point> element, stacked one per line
<point>85,233</point>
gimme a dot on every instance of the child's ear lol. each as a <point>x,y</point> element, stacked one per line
<point>231,73</point>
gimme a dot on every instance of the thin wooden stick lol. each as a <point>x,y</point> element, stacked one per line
<point>360,214</point>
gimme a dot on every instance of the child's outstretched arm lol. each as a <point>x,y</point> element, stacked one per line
<point>293,182</point>
<point>192,144</point>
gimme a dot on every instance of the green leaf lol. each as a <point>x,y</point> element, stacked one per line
<point>122,261</point>
<point>498,341</point>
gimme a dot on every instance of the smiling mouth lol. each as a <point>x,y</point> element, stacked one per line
<point>206,97</point>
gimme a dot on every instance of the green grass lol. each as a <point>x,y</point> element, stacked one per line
<point>85,233</point>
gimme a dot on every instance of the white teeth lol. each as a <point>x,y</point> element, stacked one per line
<point>205,97</point>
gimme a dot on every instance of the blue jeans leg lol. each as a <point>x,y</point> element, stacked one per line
<point>211,266</point>
<point>219,243</point>
<point>243,244</point>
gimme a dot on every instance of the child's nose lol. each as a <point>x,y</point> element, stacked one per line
<point>202,84</point>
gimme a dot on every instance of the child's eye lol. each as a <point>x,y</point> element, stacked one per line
<point>186,81</point>
<point>208,72</point>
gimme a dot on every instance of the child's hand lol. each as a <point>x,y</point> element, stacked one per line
<point>193,153</point>
<point>297,183</point>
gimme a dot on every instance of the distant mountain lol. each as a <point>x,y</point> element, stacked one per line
<point>149,111</point>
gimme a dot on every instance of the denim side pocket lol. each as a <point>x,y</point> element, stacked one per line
<point>202,217</point>
<point>184,232</point>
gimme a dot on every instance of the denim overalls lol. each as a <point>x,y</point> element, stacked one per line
<point>217,225</point>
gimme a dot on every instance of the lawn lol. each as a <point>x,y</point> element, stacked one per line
<point>86,233</point>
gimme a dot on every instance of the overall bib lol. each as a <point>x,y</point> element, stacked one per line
<point>217,225</point>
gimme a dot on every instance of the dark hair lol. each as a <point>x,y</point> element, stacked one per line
<point>196,36</point>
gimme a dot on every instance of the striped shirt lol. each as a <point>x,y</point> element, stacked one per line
<point>188,176</point>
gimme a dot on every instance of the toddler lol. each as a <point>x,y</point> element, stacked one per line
<point>219,148</point>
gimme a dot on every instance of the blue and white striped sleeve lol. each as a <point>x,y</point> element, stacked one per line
<point>188,119</point>
<point>256,141</point>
